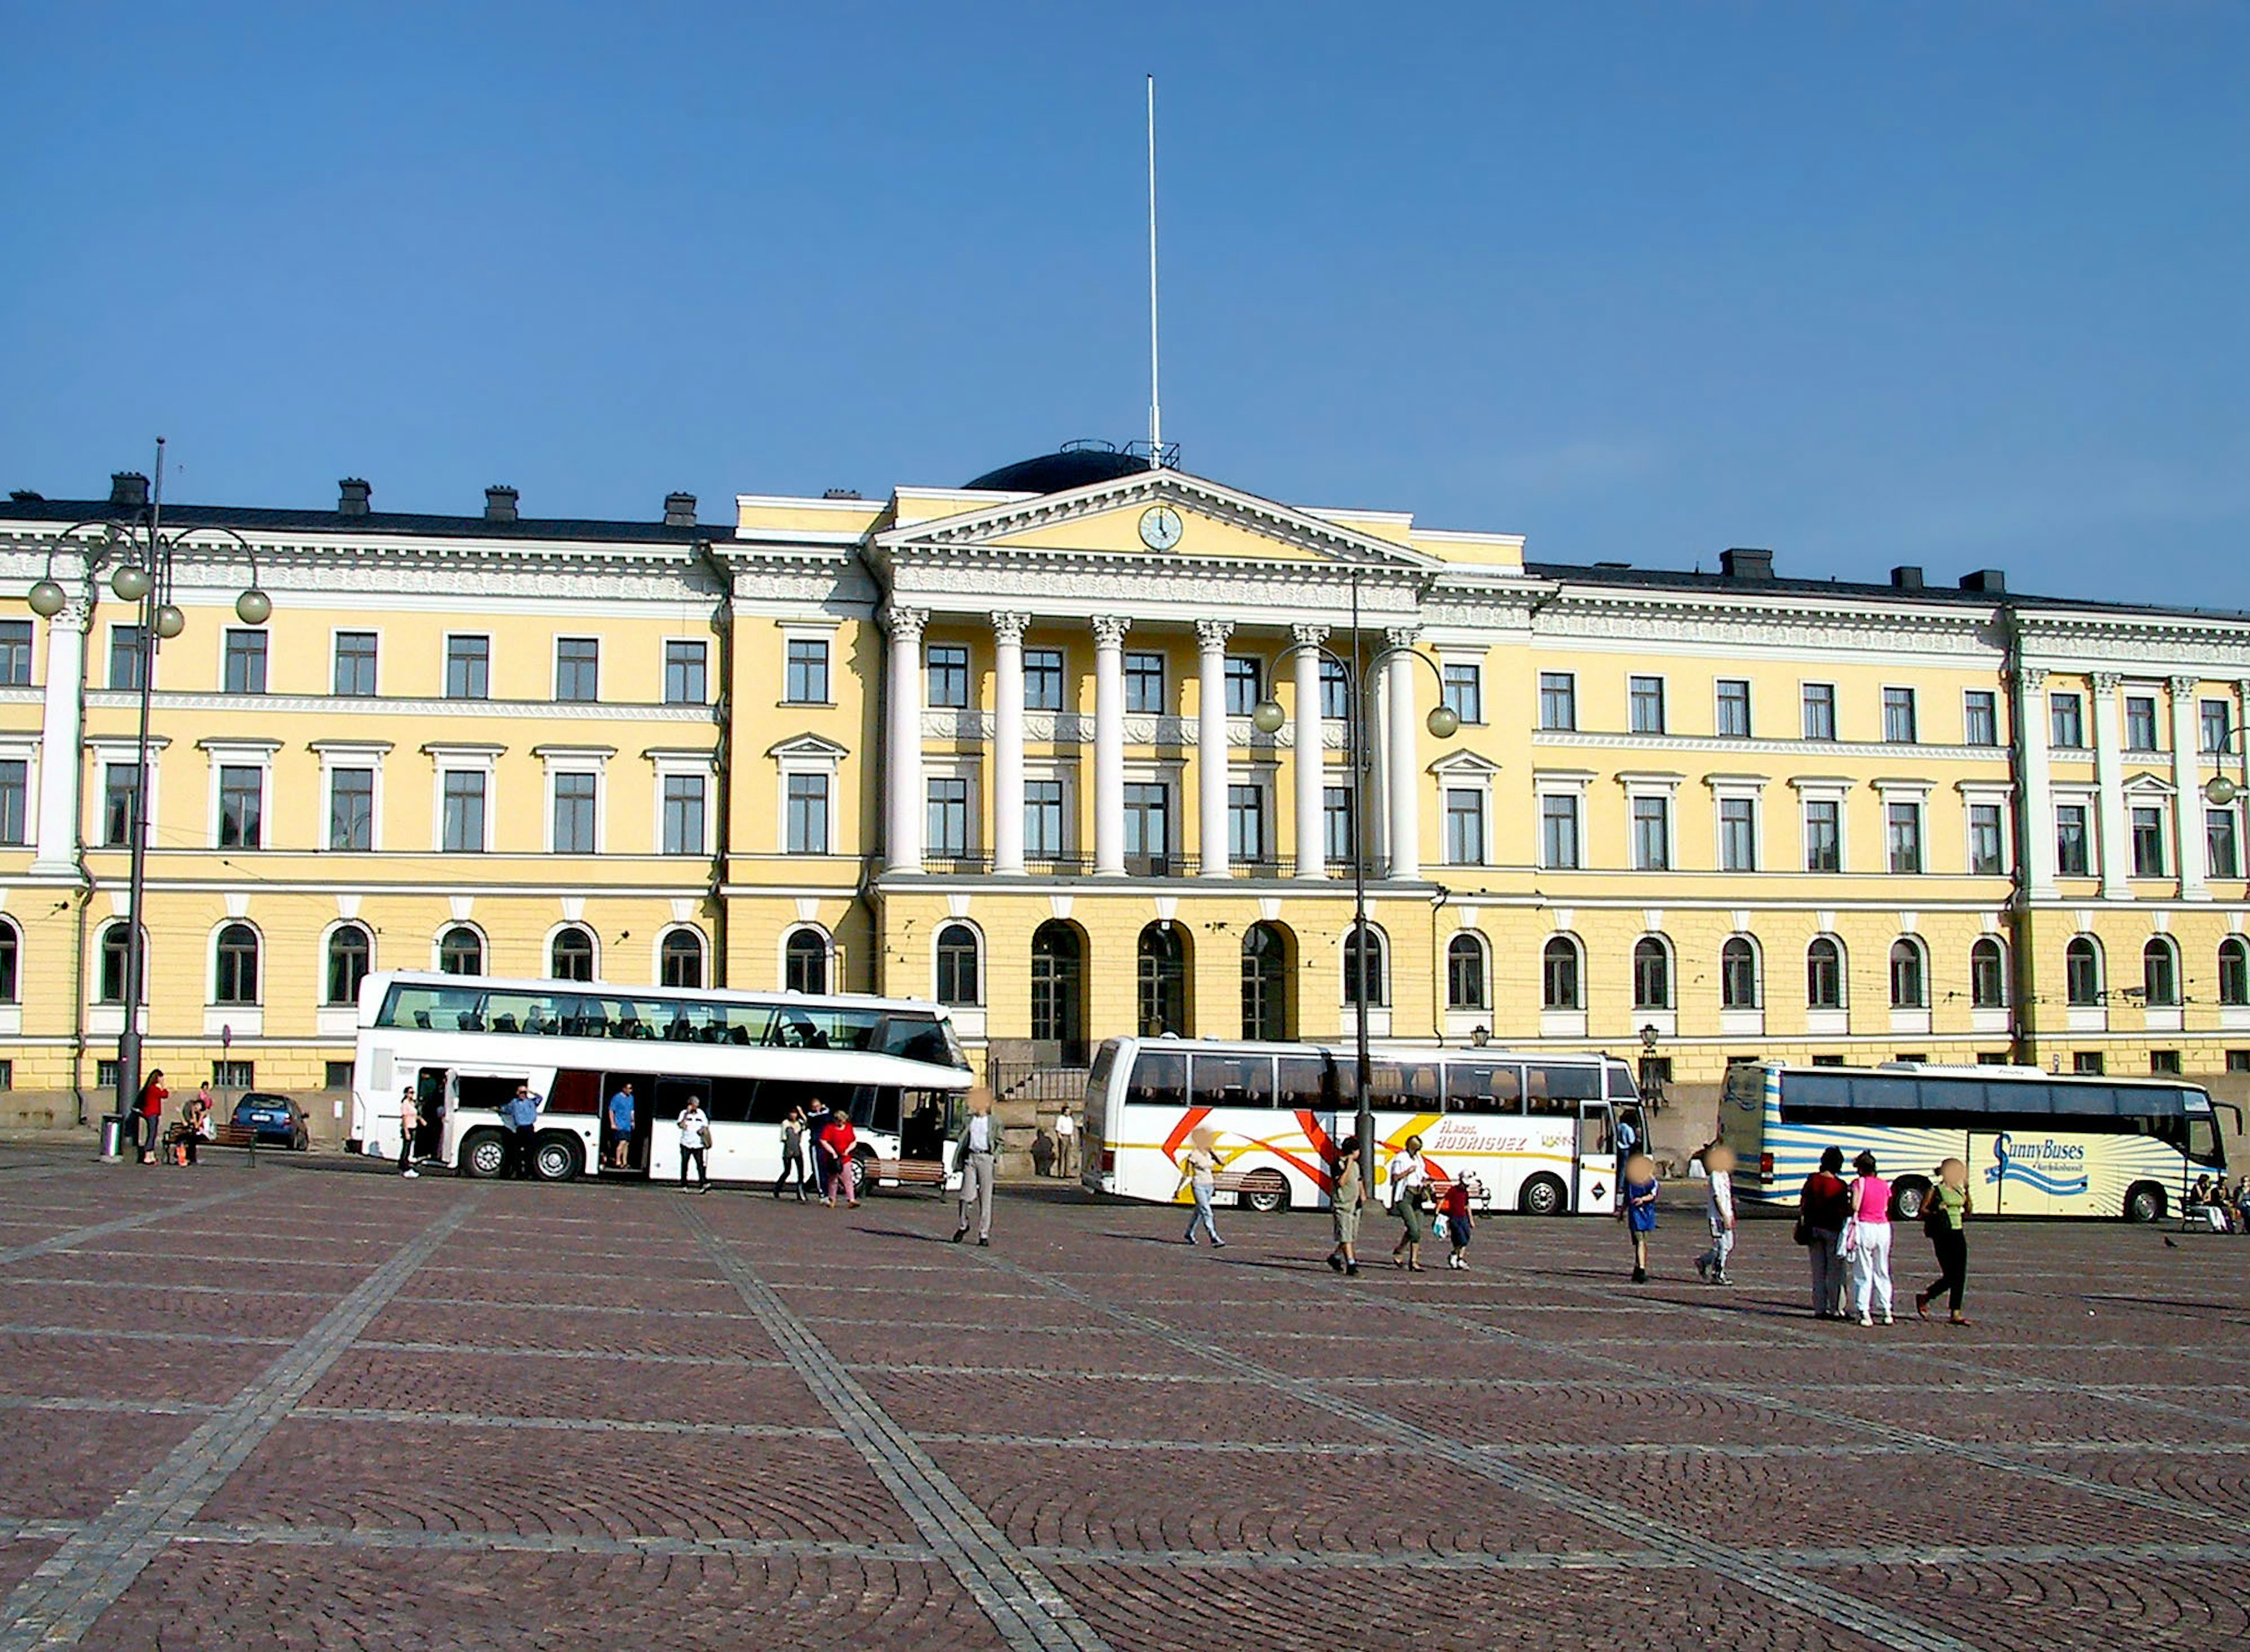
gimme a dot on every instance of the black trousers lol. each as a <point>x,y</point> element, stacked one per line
<point>693,1156</point>
<point>1952,1247</point>
<point>519,1151</point>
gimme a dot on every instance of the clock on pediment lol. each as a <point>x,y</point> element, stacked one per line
<point>1161,528</point>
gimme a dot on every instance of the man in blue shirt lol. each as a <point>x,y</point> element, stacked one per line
<point>621,1122</point>
<point>522,1117</point>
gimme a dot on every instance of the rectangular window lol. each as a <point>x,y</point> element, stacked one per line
<point>234,1075</point>
<point>2140,723</point>
<point>1464,827</point>
<point>126,654</point>
<point>574,813</point>
<point>1558,699</point>
<point>2164,1064</point>
<point>354,673</point>
<point>1898,716</point>
<point>2224,854</point>
<point>2148,843</point>
<point>1335,691</point>
<point>351,808</point>
<point>1987,847</point>
<point>241,797</point>
<point>1904,822</point>
<point>1241,686</point>
<point>464,811</point>
<point>1980,718</point>
<point>16,653</point>
<point>1646,694</point>
<point>2071,849</point>
<point>336,1075</point>
<point>1734,708</point>
<point>1558,831</point>
<point>1148,820</point>
<point>2237,1061</point>
<point>1043,679</point>
<point>1245,824</point>
<point>577,668</point>
<point>1145,684</point>
<point>947,826</point>
<point>105,1076</point>
<point>1464,692</point>
<point>806,831</point>
<point>1336,831</point>
<point>117,804</point>
<point>1043,819</point>
<point>946,671</point>
<point>1652,834</point>
<point>2088,1063</point>
<point>2217,725</point>
<point>244,665</point>
<point>1737,835</point>
<point>468,668</point>
<point>805,682</point>
<point>2066,716</point>
<point>686,680</point>
<point>1820,710</point>
<point>14,800</point>
<point>683,814</point>
<point>1824,834</point>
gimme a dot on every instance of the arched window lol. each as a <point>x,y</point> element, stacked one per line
<point>1738,974</point>
<point>680,960</point>
<point>351,956</point>
<point>1988,975</point>
<point>1264,982</point>
<point>570,954</point>
<point>111,984</point>
<point>461,952</point>
<point>2081,972</point>
<point>1909,979</point>
<point>237,982</point>
<point>2159,973</point>
<point>11,966</point>
<point>1562,981</point>
<point>804,961</point>
<point>1465,973</point>
<point>1365,980</point>
<point>1059,983</point>
<point>1824,973</point>
<point>2234,971</point>
<point>1162,966</point>
<point>1651,974</point>
<point>960,979</point>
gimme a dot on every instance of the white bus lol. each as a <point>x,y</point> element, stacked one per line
<point>1538,1132</point>
<point>464,1042</point>
<point>2036,1144</point>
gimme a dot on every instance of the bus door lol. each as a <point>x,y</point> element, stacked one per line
<point>431,1088</point>
<point>2020,1170</point>
<point>1596,1194</point>
<point>670,1095</point>
<point>636,1162</point>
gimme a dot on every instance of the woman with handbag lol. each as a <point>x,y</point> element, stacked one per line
<point>1642,1187</point>
<point>1944,1213</point>
<point>1409,1202</point>
<point>1346,1199</point>
<point>1867,1242</point>
<point>1822,1210</point>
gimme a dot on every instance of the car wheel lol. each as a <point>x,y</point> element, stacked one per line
<point>1265,1192</point>
<point>1543,1196</point>
<point>483,1154</point>
<point>556,1157</point>
<point>300,1142</point>
<point>2144,1203</point>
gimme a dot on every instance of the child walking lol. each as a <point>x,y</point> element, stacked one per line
<point>1719,1178</point>
<point>1639,1212</point>
<point>1460,1225</point>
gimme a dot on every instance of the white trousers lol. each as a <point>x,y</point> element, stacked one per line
<point>1871,1270</point>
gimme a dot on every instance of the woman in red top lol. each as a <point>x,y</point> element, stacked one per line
<point>1822,1210</point>
<point>151,1110</point>
<point>845,1178</point>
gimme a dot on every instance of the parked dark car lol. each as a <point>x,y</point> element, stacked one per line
<point>276,1119</point>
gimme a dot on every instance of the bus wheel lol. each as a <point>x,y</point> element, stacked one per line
<point>483,1154</point>
<point>1265,1192</point>
<point>2144,1203</point>
<point>1908,1198</point>
<point>556,1159</point>
<point>1543,1196</point>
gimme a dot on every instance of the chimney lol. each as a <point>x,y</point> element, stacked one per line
<point>840,494</point>
<point>499,504</point>
<point>1739,564</point>
<point>128,488</point>
<point>351,497</point>
<point>680,510</point>
<point>1906,578</point>
<point>1991,581</point>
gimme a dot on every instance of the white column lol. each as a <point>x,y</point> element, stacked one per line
<point>1311,757</point>
<point>1399,760</point>
<point>1008,741</point>
<point>61,768</point>
<point>2109,776</point>
<point>1110,744</point>
<point>1211,740</point>
<point>2037,803</point>
<point>2187,774</point>
<point>908,803</point>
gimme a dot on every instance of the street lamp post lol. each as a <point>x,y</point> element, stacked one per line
<point>142,574</point>
<point>1442,722</point>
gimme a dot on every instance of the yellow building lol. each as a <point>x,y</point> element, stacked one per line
<point>997,745</point>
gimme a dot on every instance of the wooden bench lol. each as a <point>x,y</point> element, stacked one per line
<point>908,1172</point>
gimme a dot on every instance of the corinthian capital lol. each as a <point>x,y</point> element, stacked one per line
<point>905,624</point>
<point>1211,635</point>
<point>2106,684</point>
<point>1109,630</point>
<point>1401,636</point>
<point>2183,687</point>
<point>1309,636</point>
<point>1010,628</point>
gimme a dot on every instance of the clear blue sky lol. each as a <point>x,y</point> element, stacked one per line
<point>1961,283</point>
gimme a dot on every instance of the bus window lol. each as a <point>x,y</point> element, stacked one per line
<point>1576,1081</point>
<point>1476,1086</point>
<point>1386,1084</point>
<point>733,1101</point>
<point>1425,1082</point>
<point>1621,1081</point>
<point>1232,1081</point>
<point>1311,1084</point>
<point>2203,1141</point>
<point>575,1092</point>
<point>923,1131</point>
<point>507,1012</point>
<point>1160,1078</point>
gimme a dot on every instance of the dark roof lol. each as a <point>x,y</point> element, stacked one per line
<point>267,519</point>
<point>1079,464</point>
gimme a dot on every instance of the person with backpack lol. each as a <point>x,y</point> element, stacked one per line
<point>1944,1213</point>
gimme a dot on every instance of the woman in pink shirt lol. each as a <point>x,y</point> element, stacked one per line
<point>1867,1242</point>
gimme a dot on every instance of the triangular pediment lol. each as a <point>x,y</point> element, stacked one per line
<point>809,747</point>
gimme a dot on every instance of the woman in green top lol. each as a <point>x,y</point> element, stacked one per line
<point>1946,1210</point>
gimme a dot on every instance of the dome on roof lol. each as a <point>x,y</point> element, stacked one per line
<point>1077,464</point>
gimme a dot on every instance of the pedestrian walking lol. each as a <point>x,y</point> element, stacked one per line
<point>1198,1175</point>
<point>841,1138</point>
<point>1460,1224</point>
<point>816,1144</point>
<point>522,1117</point>
<point>1065,1143</point>
<point>976,1154</point>
<point>1868,1242</point>
<point>1944,1218</point>
<point>1719,1186</point>
<point>792,1153</point>
<point>1347,1198</point>
<point>1642,1187</point>
<point>1823,1206</point>
<point>1409,1202</point>
<point>621,1125</point>
<point>410,1120</point>
<point>694,1127</point>
<point>149,1113</point>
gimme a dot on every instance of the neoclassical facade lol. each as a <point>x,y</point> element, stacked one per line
<point>1073,749</point>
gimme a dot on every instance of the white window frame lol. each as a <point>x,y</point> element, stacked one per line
<point>983,961</point>
<point>464,760</point>
<point>807,754</point>
<point>122,754</point>
<point>664,667</point>
<point>1572,784</point>
<point>805,631</point>
<point>1835,712</point>
<point>238,754</point>
<point>833,953</point>
<point>575,760</point>
<point>669,763</point>
<point>1750,789</point>
<point>970,771</point>
<point>1663,704</point>
<point>437,937</point>
<point>2147,791</point>
<point>555,681</point>
<point>1824,789</point>
<point>380,651</point>
<point>24,749</point>
<point>1259,775</point>
<point>445,667</point>
<point>2076,796</point>
<point>656,951</point>
<point>1465,772</point>
<point>1912,713</point>
<point>1998,742</point>
<point>1638,786</point>
<point>1064,772</point>
<point>334,755</point>
<point>1987,794</point>
<point>1750,708</point>
<point>1916,792</point>
<point>546,947</point>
